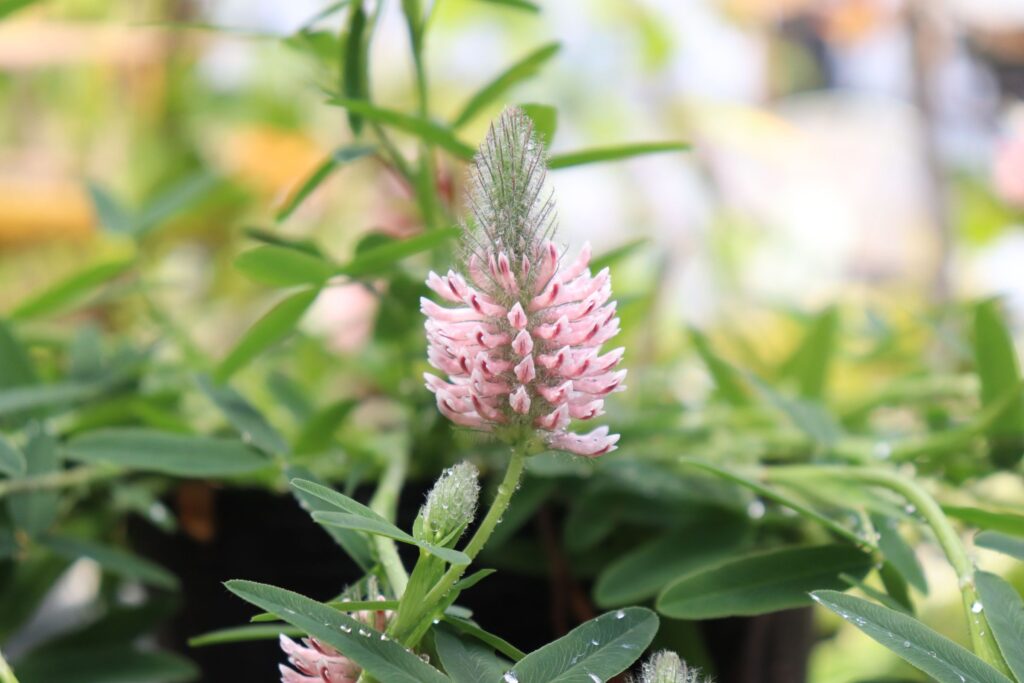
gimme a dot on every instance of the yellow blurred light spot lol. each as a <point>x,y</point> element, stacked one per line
<point>270,161</point>
<point>35,211</point>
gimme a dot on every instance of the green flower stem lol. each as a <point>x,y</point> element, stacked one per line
<point>6,675</point>
<point>929,509</point>
<point>58,480</point>
<point>385,504</point>
<point>498,507</point>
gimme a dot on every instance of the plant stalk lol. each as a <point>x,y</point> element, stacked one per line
<point>58,480</point>
<point>385,504</point>
<point>506,490</point>
<point>6,675</point>
<point>926,506</point>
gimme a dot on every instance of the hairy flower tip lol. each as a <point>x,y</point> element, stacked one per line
<point>317,662</point>
<point>511,204</point>
<point>451,504</point>
<point>667,667</point>
<point>522,345</point>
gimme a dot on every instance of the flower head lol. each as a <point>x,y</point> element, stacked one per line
<point>522,347</point>
<point>317,662</point>
<point>451,503</point>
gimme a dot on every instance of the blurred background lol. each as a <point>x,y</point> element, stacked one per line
<point>869,152</point>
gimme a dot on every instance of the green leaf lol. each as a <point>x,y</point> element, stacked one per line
<point>525,68</point>
<point>591,156</point>
<point>1003,543</point>
<point>276,325</point>
<point>517,4</point>
<point>29,397</point>
<point>545,123</point>
<point>17,369</point>
<point>348,606</point>
<point>173,201</point>
<point>106,663</point>
<point>939,657</point>
<point>383,659</point>
<point>284,266</point>
<point>318,432</point>
<point>597,649</point>
<point>355,63</point>
<point>642,572</point>
<point>371,261</point>
<point>381,527</point>
<point>999,370</point>
<point>337,159</point>
<point>249,422</point>
<point>809,416</point>
<point>897,552</point>
<point>467,661</point>
<point>470,628</point>
<point>874,593</point>
<point>357,516</point>
<point>69,290</point>
<point>34,511</point>
<point>780,498</point>
<point>428,131</point>
<point>354,544</point>
<point>243,634</point>
<point>760,583</point>
<point>175,454</point>
<point>809,363</point>
<point>1005,522</point>
<point>12,462</point>
<point>1004,611</point>
<point>114,560</point>
<point>111,214</point>
<point>727,380</point>
<point>610,258</point>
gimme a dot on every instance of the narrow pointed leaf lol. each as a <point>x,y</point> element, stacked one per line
<point>1003,543</point>
<point>990,520</point>
<point>517,4</point>
<point>937,656</point>
<point>336,160</point>
<point>470,628</point>
<point>728,381</point>
<point>426,130</point>
<point>244,634</point>
<point>114,560</point>
<point>520,71</point>
<point>596,650</point>
<point>468,661</point>
<point>34,511</point>
<point>373,260</point>
<point>276,325</point>
<point>762,582</point>
<point>111,215</point>
<point>284,267</point>
<point>354,544</point>
<point>168,453</point>
<point>809,363</point>
<point>999,371</point>
<point>898,552</point>
<point>601,154</point>
<point>545,123</point>
<point>12,462</point>
<point>1004,611</point>
<point>644,571</point>
<point>59,296</point>
<point>384,659</point>
<point>251,425</point>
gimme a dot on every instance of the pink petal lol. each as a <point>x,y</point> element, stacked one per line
<point>517,316</point>
<point>520,400</point>
<point>597,442</point>
<point>523,343</point>
<point>525,372</point>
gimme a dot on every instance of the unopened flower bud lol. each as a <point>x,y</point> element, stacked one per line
<point>451,504</point>
<point>667,667</point>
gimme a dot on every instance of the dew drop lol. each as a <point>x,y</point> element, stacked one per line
<point>756,509</point>
<point>595,678</point>
<point>977,607</point>
<point>620,615</point>
<point>882,450</point>
<point>594,642</point>
<point>909,509</point>
<point>906,643</point>
<point>510,677</point>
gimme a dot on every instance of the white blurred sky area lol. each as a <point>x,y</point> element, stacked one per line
<point>829,185</point>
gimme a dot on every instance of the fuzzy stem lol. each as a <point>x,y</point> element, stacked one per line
<point>385,504</point>
<point>6,675</point>
<point>944,532</point>
<point>58,480</point>
<point>498,507</point>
